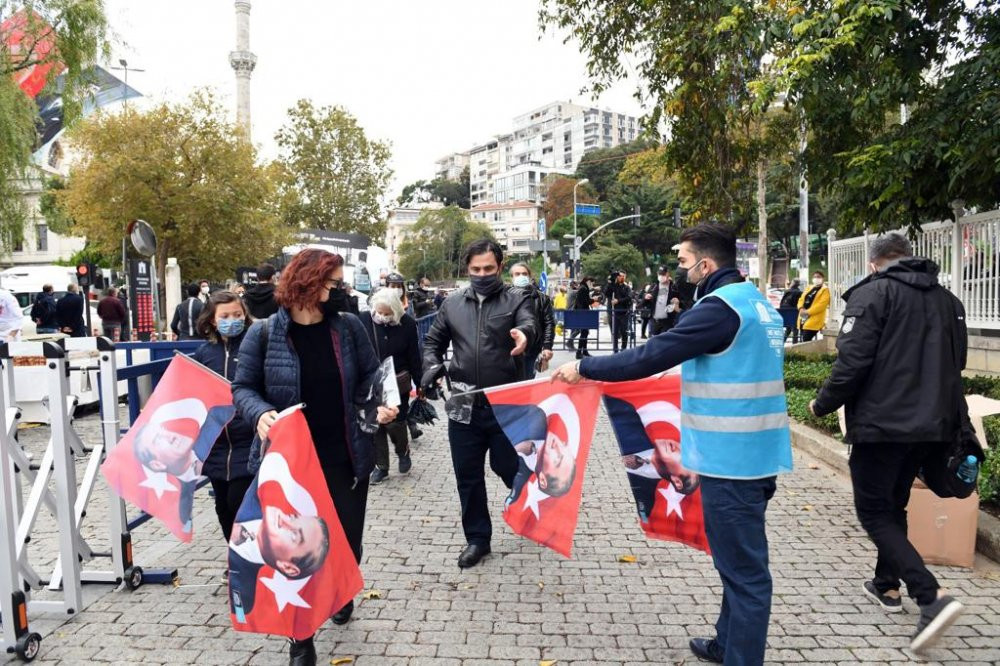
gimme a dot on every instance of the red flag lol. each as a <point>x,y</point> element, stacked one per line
<point>646,418</point>
<point>290,566</point>
<point>550,426</point>
<point>157,464</point>
<point>27,30</point>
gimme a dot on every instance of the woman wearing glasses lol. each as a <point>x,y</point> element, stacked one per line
<point>315,352</point>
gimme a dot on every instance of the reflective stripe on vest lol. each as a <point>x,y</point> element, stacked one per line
<point>747,390</point>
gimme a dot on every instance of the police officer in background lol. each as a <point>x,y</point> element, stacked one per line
<point>734,430</point>
<point>618,298</point>
<point>488,326</point>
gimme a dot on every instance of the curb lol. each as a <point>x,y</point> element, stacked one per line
<point>834,453</point>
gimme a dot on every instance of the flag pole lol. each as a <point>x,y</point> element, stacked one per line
<point>526,382</point>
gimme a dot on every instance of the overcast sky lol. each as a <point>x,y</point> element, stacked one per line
<point>431,77</point>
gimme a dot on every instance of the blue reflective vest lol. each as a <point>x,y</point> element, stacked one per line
<point>734,418</point>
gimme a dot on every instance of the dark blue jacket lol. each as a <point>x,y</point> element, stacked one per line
<point>228,458</point>
<point>44,311</point>
<point>272,380</point>
<point>706,329</point>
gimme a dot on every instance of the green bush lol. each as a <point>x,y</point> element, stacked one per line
<point>989,471</point>
<point>980,385</point>
<point>798,409</point>
<point>806,374</point>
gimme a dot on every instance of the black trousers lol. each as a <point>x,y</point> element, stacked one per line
<point>808,335</point>
<point>619,329</point>
<point>396,431</point>
<point>882,474</point>
<point>794,332</point>
<point>469,445</point>
<point>228,497</point>
<point>646,320</point>
<point>350,500</point>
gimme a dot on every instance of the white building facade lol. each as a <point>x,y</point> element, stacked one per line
<point>513,223</point>
<point>399,224</point>
<point>451,166</point>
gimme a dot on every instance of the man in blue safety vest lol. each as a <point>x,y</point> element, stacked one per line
<point>734,425</point>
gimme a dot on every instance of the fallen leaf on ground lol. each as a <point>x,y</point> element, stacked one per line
<point>372,594</point>
<point>627,558</point>
<point>547,662</point>
<point>541,585</point>
<point>341,660</point>
<point>813,466</point>
<point>807,507</point>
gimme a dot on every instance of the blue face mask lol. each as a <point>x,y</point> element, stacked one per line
<point>230,328</point>
<point>521,281</point>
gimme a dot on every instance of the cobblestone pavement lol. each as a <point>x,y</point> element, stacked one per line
<point>523,604</point>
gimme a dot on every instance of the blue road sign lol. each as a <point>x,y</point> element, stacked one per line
<point>543,281</point>
<point>588,209</point>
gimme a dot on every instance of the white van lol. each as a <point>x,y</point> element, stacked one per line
<point>26,281</point>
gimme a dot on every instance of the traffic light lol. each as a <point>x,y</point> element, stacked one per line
<point>84,274</point>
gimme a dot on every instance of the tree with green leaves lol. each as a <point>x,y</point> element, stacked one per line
<point>186,170</point>
<point>448,192</point>
<point>610,254</point>
<point>602,166</point>
<point>433,246</point>
<point>333,176</point>
<point>57,37</point>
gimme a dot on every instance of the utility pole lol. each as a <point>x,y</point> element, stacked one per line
<point>124,67</point>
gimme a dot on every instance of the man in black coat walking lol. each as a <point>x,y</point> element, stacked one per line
<point>69,313</point>
<point>900,355</point>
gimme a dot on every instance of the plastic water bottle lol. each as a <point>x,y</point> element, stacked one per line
<point>969,470</point>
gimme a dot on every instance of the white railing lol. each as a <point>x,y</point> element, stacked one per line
<point>968,255</point>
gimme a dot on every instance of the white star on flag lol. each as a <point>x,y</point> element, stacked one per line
<point>157,481</point>
<point>674,500</point>
<point>286,591</point>
<point>535,495</point>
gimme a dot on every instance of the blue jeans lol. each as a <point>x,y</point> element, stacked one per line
<point>469,445</point>
<point>529,365</point>
<point>734,523</point>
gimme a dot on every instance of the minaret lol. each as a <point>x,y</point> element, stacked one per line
<point>243,62</point>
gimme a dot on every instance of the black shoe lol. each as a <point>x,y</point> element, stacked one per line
<point>471,555</point>
<point>891,604</point>
<point>405,463</point>
<point>934,619</point>
<point>415,431</point>
<point>302,653</point>
<point>586,353</point>
<point>579,354</point>
<point>344,614</point>
<point>707,649</point>
<point>378,475</point>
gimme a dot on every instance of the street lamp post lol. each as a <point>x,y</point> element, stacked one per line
<point>576,236</point>
<point>126,68</point>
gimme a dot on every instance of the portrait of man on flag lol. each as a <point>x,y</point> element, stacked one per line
<point>157,464</point>
<point>646,419</point>
<point>290,566</point>
<point>551,429</point>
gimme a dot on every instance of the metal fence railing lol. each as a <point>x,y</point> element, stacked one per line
<point>967,253</point>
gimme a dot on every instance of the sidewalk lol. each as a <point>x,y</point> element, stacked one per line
<point>524,604</point>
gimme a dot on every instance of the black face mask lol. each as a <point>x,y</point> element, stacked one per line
<point>337,302</point>
<point>681,276</point>
<point>486,284</point>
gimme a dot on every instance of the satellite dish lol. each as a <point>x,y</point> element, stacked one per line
<point>143,237</point>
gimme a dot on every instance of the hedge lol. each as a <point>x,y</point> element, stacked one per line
<point>804,375</point>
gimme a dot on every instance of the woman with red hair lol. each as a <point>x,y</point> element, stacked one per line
<point>313,351</point>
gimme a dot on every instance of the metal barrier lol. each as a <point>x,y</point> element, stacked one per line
<point>423,326</point>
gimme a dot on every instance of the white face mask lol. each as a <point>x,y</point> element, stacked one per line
<point>204,289</point>
<point>663,279</point>
<point>817,281</point>
<point>521,281</point>
<point>381,319</point>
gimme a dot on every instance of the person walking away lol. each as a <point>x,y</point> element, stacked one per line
<point>394,333</point>
<point>790,301</point>
<point>560,300</point>
<point>126,333</point>
<point>584,301</point>
<point>69,313</point>
<point>545,319</point>
<point>315,352</point>
<point>900,355</point>
<point>260,296</point>
<point>813,305</point>
<point>619,298</point>
<point>184,323</point>
<point>734,426</point>
<point>112,314</point>
<point>487,326</point>
<point>43,312</point>
<point>223,325</point>
<point>645,306</point>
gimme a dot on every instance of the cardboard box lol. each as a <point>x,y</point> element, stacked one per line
<point>943,530</point>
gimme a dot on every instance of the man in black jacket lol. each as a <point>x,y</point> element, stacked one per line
<point>619,302</point>
<point>43,312</point>
<point>790,301</point>
<point>185,321</point>
<point>488,327</point>
<point>545,318</point>
<point>260,297</point>
<point>665,301</point>
<point>69,313</point>
<point>900,355</point>
<point>583,300</point>
<point>422,299</point>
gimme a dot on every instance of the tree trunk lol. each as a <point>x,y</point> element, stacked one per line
<point>762,224</point>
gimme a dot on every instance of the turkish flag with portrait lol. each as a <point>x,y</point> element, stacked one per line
<point>646,417</point>
<point>157,464</point>
<point>290,565</point>
<point>550,427</point>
